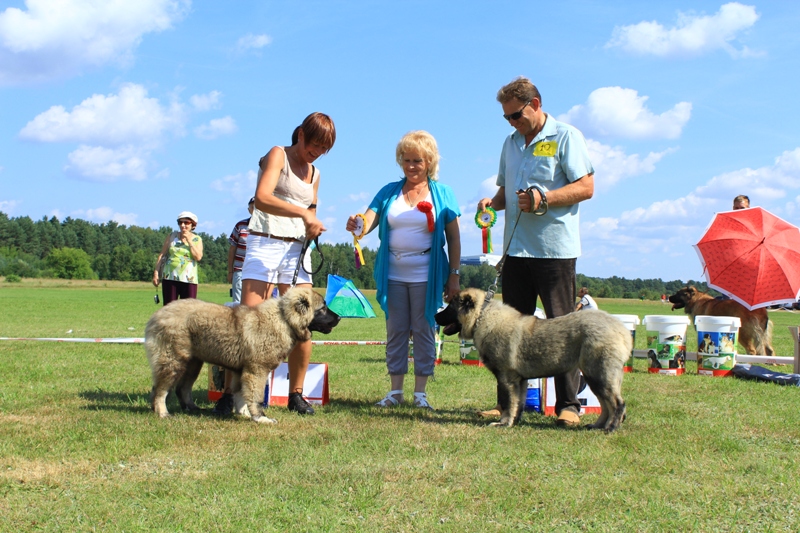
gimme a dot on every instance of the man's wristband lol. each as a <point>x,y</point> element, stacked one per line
<point>455,271</point>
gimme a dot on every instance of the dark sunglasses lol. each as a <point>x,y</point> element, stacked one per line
<point>518,114</point>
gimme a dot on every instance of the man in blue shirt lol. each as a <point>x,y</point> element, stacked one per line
<point>544,174</point>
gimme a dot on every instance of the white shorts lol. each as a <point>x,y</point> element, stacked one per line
<point>273,261</point>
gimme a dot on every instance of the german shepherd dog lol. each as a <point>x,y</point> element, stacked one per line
<point>517,347</point>
<point>755,334</point>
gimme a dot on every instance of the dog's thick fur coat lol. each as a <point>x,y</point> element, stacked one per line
<point>249,341</point>
<point>517,347</point>
<point>755,333</point>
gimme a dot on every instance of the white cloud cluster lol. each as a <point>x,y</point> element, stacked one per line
<point>612,164</point>
<point>240,186</point>
<point>52,39</point>
<point>665,230</point>
<point>206,102</point>
<point>253,42</point>
<point>622,113</point>
<point>8,206</point>
<point>117,132</point>
<point>100,215</point>
<point>693,35</point>
<point>128,116</point>
<point>216,128</point>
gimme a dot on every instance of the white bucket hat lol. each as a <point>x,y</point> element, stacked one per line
<point>188,214</point>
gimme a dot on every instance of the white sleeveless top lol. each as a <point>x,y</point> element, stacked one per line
<point>292,189</point>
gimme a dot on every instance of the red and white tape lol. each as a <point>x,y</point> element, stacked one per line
<point>140,340</point>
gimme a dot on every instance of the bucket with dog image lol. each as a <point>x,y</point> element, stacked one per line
<point>630,321</point>
<point>469,354</point>
<point>666,344</point>
<point>716,344</point>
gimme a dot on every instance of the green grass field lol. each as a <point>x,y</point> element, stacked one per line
<point>81,451</point>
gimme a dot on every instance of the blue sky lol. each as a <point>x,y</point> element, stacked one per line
<point>135,111</point>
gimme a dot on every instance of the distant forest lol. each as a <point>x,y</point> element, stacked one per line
<point>77,249</point>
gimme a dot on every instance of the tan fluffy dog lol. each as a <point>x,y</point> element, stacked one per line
<point>517,347</point>
<point>755,333</point>
<point>249,341</point>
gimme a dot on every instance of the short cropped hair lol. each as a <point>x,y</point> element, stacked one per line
<point>424,143</point>
<point>319,128</point>
<point>521,88</point>
<point>742,199</point>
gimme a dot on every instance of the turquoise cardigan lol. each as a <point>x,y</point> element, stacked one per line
<point>446,207</point>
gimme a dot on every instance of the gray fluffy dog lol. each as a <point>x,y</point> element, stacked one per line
<point>517,347</point>
<point>249,341</point>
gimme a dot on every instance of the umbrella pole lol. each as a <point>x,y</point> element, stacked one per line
<point>796,336</point>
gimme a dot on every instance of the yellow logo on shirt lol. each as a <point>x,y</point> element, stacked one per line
<point>545,148</point>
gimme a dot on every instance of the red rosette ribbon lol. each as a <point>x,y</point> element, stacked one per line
<point>427,208</point>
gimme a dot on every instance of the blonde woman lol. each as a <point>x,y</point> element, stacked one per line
<point>415,217</point>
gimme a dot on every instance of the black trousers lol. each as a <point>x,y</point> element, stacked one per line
<point>553,280</point>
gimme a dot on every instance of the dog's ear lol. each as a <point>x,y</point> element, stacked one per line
<point>467,303</point>
<point>302,305</point>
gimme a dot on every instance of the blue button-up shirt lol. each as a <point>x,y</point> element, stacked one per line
<point>556,157</point>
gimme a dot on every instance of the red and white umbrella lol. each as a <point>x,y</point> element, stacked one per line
<point>752,256</point>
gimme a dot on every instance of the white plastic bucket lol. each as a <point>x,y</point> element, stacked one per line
<point>630,322</point>
<point>716,344</point>
<point>666,343</point>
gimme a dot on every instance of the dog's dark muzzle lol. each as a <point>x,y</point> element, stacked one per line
<point>676,301</point>
<point>324,321</point>
<point>448,318</point>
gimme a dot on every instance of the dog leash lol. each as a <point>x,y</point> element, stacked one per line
<point>306,244</point>
<point>492,290</point>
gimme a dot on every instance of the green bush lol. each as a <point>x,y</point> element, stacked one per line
<point>13,278</point>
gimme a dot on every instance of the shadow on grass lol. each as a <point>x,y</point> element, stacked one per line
<point>438,416</point>
<point>103,400</point>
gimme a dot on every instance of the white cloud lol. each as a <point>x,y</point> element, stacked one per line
<point>96,163</point>
<point>612,164</point>
<point>8,206</point>
<point>105,214</point>
<point>240,187</point>
<point>253,42</point>
<point>665,230</point>
<point>693,35</point>
<point>52,39</point>
<point>618,112</point>
<point>206,102</point>
<point>129,116</point>
<point>216,128</point>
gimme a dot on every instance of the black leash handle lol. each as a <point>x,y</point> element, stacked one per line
<point>306,244</point>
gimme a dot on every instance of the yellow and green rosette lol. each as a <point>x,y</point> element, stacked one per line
<point>485,220</point>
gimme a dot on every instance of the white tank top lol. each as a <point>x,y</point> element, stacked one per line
<point>292,189</point>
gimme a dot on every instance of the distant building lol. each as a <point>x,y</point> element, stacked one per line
<point>478,260</point>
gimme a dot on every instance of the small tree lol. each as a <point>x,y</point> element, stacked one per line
<point>70,263</point>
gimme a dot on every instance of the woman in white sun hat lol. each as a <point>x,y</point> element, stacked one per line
<point>176,268</point>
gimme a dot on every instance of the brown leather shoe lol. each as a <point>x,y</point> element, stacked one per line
<point>568,419</point>
<point>494,412</point>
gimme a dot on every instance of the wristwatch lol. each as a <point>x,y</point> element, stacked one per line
<point>455,271</point>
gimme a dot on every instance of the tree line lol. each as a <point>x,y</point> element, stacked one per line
<point>78,249</point>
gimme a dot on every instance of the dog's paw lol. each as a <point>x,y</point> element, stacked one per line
<point>264,420</point>
<point>243,411</point>
<point>501,424</point>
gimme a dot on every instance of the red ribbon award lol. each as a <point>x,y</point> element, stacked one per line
<point>427,208</point>
<point>485,220</point>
